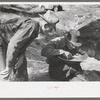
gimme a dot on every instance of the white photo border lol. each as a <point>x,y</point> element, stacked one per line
<point>50,89</point>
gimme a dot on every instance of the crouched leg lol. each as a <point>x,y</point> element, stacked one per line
<point>63,72</point>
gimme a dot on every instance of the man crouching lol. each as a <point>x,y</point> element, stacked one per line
<point>62,47</point>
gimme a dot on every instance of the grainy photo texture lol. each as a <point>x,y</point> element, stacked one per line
<point>49,42</point>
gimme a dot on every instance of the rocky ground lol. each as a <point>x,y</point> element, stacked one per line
<point>75,15</point>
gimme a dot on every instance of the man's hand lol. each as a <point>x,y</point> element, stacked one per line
<point>66,55</point>
<point>5,73</point>
<point>81,52</point>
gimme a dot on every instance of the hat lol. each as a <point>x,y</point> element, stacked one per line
<point>76,44</point>
<point>74,37</point>
<point>50,18</point>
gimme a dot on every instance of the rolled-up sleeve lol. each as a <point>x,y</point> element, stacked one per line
<point>23,37</point>
<point>55,47</point>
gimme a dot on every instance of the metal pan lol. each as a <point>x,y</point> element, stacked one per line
<point>76,58</point>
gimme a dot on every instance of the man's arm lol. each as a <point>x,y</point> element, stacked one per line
<point>55,47</point>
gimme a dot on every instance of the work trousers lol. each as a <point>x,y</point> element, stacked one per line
<point>18,74</point>
<point>62,71</point>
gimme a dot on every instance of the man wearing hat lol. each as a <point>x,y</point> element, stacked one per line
<point>63,48</point>
<point>27,31</point>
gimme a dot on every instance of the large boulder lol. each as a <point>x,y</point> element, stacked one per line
<point>90,37</point>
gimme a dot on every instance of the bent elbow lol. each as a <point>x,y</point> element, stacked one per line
<point>46,51</point>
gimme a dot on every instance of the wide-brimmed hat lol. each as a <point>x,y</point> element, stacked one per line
<point>50,18</point>
<point>76,44</point>
<point>74,37</point>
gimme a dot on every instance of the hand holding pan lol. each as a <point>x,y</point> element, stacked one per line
<point>76,58</point>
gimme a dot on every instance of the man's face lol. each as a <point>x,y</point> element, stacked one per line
<point>46,28</point>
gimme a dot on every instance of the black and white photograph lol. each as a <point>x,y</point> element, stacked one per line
<point>49,49</point>
<point>49,42</point>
